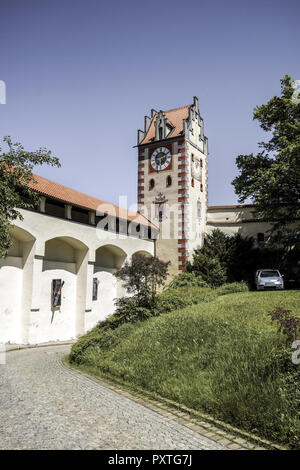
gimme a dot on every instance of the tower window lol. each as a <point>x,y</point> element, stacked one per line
<point>193,183</point>
<point>192,157</point>
<point>201,163</point>
<point>199,209</point>
<point>201,187</point>
<point>151,184</point>
<point>160,209</point>
<point>160,133</point>
<point>169,181</point>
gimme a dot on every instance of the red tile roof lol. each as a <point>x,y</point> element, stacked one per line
<point>175,118</point>
<point>71,196</point>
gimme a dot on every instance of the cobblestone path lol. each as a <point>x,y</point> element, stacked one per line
<point>43,405</point>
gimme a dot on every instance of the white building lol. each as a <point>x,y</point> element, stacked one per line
<point>57,281</point>
<point>60,245</point>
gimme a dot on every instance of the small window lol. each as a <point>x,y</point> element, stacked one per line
<point>151,184</point>
<point>199,209</point>
<point>160,133</point>
<point>192,157</point>
<point>159,211</point>
<point>193,183</point>
<point>201,187</point>
<point>95,288</point>
<point>201,163</point>
<point>169,181</point>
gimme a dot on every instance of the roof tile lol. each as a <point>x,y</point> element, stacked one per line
<point>175,118</point>
<point>71,196</point>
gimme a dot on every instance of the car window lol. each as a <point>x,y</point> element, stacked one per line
<point>269,274</point>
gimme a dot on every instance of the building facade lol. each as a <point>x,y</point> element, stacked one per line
<point>57,281</point>
<point>172,180</point>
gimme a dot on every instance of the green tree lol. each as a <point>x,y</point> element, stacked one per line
<point>142,278</point>
<point>236,255</point>
<point>16,167</point>
<point>208,268</point>
<point>271,178</point>
<point>215,245</point>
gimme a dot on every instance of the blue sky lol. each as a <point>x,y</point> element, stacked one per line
<point>81,75</point>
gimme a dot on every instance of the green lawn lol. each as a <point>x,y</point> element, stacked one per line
<point>222,356</point>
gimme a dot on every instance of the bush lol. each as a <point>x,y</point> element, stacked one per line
<point>141,278</point>
<point>128,310</point>
<point>175,299</point>
<point>209,269</point>
<point>288,324</point>
<point>187,280</point>
<point>233,287</point>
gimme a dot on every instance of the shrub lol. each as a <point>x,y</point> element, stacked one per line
<point>129,311</point>
<point>208,269</point>
<point>174,299</point>
<point>233,287</point>
<point>187,279</point>
<point>141,278</point>
<point>288,324</point>
<point>240,258</point>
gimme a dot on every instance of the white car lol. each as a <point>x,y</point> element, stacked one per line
<point>268,279</point>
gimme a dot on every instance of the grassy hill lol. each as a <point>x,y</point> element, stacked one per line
<point>222,355</point>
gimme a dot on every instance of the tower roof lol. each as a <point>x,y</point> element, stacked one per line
<point>175,118</point>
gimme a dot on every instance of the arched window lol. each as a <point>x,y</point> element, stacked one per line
<point>193,183</point>
<point>169,181</point>
<point>201,163</point>
<point>160,133</point>
<point>201,187</point>
<point>151,184</point>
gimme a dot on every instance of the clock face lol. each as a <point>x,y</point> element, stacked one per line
<point>161,158</point>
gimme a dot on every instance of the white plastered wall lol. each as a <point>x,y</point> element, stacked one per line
<point>26,315</point>
<point>11,277</point>
<point>232,220</point>
<point>14,285</point>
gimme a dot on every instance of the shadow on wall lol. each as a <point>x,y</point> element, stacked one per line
<point>64,253</point>
<point>109,257</point>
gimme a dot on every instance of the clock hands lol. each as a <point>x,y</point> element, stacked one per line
<point>160,159</point>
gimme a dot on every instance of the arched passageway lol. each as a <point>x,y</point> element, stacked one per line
<point>15,285</point>
<point>61,291</point>
<point>105,286</point>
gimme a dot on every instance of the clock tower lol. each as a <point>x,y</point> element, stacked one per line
<point>172,181</point>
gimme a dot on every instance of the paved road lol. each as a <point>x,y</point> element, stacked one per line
<point>43,405</point>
